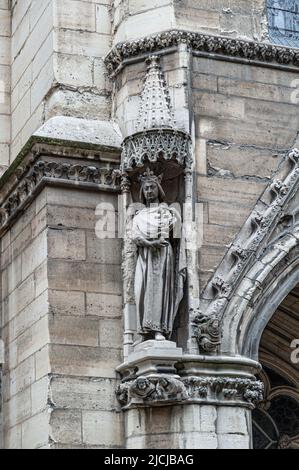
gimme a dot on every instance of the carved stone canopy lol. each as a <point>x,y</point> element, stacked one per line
<point>156,137</point>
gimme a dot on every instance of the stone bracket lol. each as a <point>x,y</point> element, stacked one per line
<point>190,379</point>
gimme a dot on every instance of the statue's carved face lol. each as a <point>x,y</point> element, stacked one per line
<point>150,191</point>
<point>142,384</point>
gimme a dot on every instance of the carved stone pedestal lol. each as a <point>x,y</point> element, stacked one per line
<point>152,357</point>
<point>190,402</point>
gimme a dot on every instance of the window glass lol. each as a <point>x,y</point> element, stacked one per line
<point>283,17</point>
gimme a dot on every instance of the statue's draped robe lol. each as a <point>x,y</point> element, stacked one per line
<point>159,277</point>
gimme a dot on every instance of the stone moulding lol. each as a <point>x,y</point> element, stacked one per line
<point>216,45</point>
<point>271,220</point>
<point>162,390</point>
<point>41,170</point>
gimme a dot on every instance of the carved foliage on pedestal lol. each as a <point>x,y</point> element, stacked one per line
<point>156,390</point>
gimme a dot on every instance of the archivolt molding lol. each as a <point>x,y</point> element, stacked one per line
<point>282,367</point>
<point>270,234</point>
<point>219,45</point>
<point>283,390</point>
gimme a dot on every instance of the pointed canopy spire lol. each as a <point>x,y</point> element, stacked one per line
<point>156,137</point>
<point>155,111</point>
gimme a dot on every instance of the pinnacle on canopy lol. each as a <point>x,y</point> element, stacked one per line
<point>155,110</point>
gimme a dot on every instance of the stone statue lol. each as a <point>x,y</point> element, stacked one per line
<point>160,270</point>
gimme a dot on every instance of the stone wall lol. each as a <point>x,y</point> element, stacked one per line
<point>4,84</point>
<point>245,122</point>
<point>137,18</point>
<point>82,38</point>
<point>85,322</point>
<point>25,330</point>
<point>61,324</point>
<point>32,73</point>
<point>57,67</point>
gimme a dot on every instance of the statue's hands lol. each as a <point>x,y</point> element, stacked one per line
<point>160,243</point>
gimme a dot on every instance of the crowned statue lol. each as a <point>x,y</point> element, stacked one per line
<point>161,264</point>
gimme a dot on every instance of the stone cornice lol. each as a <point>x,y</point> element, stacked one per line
<point>264,53</point>
<point>52,164</point>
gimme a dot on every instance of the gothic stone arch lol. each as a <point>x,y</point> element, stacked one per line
<point>243,294</point>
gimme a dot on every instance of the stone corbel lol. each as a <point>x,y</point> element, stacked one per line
<point>214,380</point>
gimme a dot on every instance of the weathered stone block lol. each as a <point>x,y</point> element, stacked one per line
<point>66,244</point>
<point>111,332</point>
<point>35,431</point>
<point>74,70</point>
<point>66,302</point>
<point>39,223</point>
<point>41,278</point>
<point>21,241</point>
<point>228,214</point>
<point>104,305</point>
<point>42,362</point>
<point>72,217</point>
<point>74,330</point>
<point>94,433</point>
<point>21,377</point>
<point>36,310</point>
<point>40,391</point>
<point>233,441</point>
<point>17,409</point>
<point>107,251</point>
<point>65,426</point>
<point>75,200</point>
<point>84,361</point>
<point>76,15</point>
<point>84,393</point>
<point>33,339</point>
<point>88,277</point>
<point>34,254</point>
<point>237,420</point>
<point>21,297</point>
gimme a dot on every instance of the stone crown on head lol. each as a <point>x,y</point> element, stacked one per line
<point>149,175</point>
